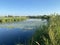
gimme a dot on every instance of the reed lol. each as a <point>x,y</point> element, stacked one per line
<point>48,34</point>
<point>12,19</point>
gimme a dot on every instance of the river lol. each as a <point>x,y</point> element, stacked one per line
<point>19,32</point>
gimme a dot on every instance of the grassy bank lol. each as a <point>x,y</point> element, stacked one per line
<point>12,19</point>
<point>49,34</point>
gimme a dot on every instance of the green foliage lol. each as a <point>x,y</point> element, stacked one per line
<point>12,19</point>
<point>54,29</point>
<point>49,34</point>
<point>41,36</point>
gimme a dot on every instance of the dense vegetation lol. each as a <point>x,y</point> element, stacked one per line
<point>48,34</point>
<point>40,17</point>
<point>9,19</point>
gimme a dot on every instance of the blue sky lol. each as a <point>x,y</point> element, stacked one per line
<point>29,7</point>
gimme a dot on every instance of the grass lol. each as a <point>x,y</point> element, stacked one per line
<point>48,34</point>
<point>12,19</point>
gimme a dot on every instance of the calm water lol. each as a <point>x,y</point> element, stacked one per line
<point>19,32</point>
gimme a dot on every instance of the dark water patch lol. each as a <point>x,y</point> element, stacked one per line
<point>14,36</point>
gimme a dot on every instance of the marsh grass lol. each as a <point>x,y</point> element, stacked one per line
<point>12,19</point>
<point>48,34</point>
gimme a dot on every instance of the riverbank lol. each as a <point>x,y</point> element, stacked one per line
<point>10,19</point>
<point>49,34</point>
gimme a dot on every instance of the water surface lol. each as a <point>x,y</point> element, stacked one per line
<point>19,32</point>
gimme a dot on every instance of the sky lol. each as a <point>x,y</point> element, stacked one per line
<point>29,7</point>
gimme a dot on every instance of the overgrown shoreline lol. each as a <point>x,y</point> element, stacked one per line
<point>11,19</point>
<point>49,34</point>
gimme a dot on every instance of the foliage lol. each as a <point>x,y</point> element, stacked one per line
<point>48,34</point>
<point>12,19</point>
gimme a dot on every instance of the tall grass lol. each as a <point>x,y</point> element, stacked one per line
<point>54,30</point>
<point>12,19</point>
<point>48,34</point>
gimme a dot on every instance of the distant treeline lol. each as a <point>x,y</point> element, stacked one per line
<point>40,17</point>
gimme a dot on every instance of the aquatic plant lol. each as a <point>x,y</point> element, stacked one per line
<point>12,19</point>
<point>48,34</point>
